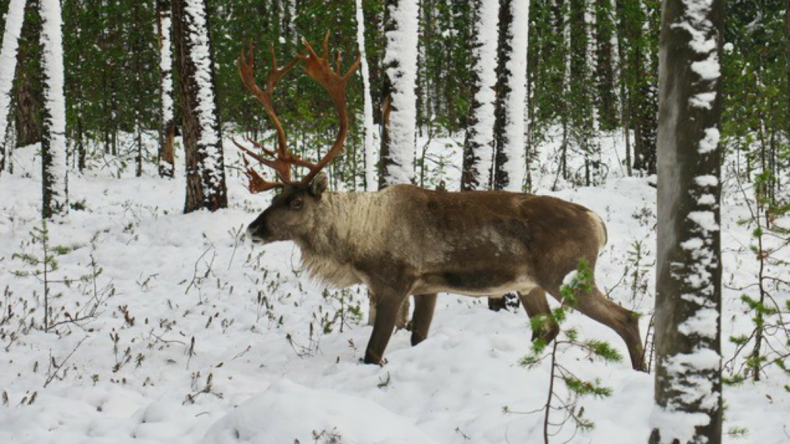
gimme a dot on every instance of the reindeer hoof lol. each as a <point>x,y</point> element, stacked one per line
<point>416,338</point>
<point>374,361</point>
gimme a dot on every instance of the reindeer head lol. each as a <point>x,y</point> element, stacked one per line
<point>294,211</point>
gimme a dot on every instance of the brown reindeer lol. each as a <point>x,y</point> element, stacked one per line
<point>405,240</point>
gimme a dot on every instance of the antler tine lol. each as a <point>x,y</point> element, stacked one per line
<point>247,72</point>
<point>325,44</point>
<point>320,70</point>
<point>353,67</point>
<point>257,184</point>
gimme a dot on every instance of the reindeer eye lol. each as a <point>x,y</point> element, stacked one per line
<point>297,204</point>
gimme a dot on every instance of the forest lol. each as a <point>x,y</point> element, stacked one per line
<point>217,215</point>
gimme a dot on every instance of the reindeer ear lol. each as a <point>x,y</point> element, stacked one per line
<point>319,184</point>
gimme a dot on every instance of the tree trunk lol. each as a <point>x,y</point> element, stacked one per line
<point>511,95</point>
<point>398,111</point>
<point>166,118</point>
<point>581,112</point>
<point>688,283</point>
<point>8,61</point>
<point>399,99</point>
<point>137,63</point>
<point>369,128</point>
<point>205,170</point>
<point>53,141</point>
<point>787,59</point>
<point>479,140</point>
<point>604,29</point>
<point>77,100</point>
<point>375,41</point>
<point>29,98</point>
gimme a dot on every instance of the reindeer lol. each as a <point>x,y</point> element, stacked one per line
<point>405,240</point>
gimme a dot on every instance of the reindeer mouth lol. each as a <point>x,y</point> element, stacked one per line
<point>255,237</point>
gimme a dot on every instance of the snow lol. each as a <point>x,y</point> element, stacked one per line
<point>13,27</point>
<point>568,279</point>
<point>54,99</point>
<point>710,142</point>
<point>200,53</point>
<point>280,414</point>
<point>703,323</point>
<point>705,220</point>
<point>166,66</point>
<point>709,68</point>
<point>674,425</point>
<point>166,70</point>
<point>706,181</point>
<point>400,57</point>
<point>371,154</point>
<point>516,118</point>
<point>270,376</point>
<point>703,100</point>
<point>483,113</point>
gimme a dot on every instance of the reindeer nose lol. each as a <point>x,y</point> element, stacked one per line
<point>257,233</point>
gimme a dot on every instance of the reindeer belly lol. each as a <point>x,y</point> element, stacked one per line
<point>474,283</point>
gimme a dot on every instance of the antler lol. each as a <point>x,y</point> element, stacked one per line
<point>281,160</point>
<point>320,70</point>
<point>335,84</point>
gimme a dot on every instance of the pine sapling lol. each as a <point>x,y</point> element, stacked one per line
<point>576,285</point>
<point>770,334</point>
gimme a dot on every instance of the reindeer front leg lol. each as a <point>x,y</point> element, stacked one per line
<point>388,304</point>
<point>424,305</point>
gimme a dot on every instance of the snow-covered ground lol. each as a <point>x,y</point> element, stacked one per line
<point>197,336</point>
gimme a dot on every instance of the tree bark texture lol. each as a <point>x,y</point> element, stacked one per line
<point>29,98</point>
<point>604,31</point>
<point>688,283</point>
<point>167,125</point>
<point>503,90</point>
<point>54,166</point>
<point>205,174</point>
<point>479,139</point>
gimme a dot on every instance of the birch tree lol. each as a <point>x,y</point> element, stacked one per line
<point>479,140</point>
<point>205,170</point>
<point>167,125</point>
<point>8,53</point>
<point>53,141</point>
<point>688,283</point>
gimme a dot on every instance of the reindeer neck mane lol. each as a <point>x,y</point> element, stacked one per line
<point>350,225</point>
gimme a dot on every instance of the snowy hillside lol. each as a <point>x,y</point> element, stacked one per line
<point>190,334</point>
